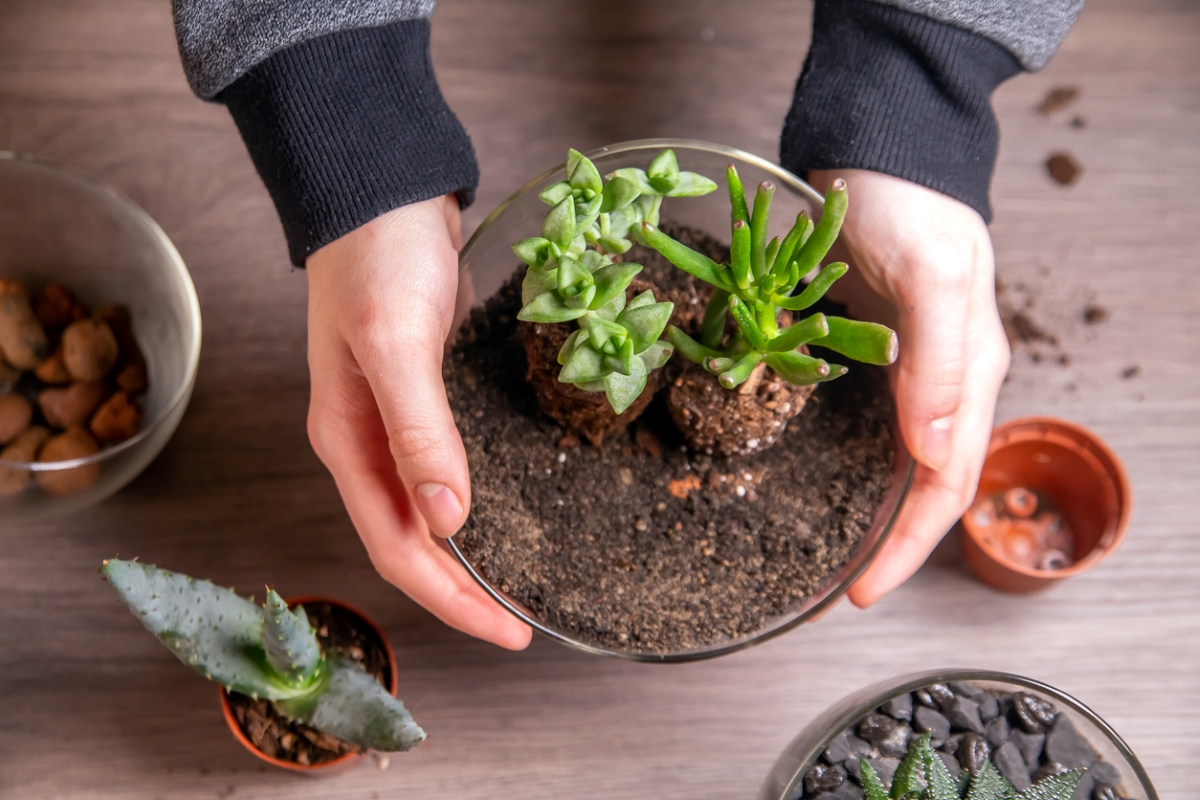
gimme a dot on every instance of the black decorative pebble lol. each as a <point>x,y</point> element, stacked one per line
<point>884,768</point>
<point>1011,764</point>
<point>1105,773</point>
<point>847,791</point>
<point>966,689</point>
<point>973,752</point>
<point>951,763</point>
<point>964,713</point>
<point>896,743</point>
<point>823,777</point>
<point>989,706</point>
<point>997,732</point>
<point>941,695</point>
<point>926,720</point>
<point>846,745</point>
<point>1067,746</point>
<point>899,707</point>
<point>1029,745</point>
<point>923,697</point>
<point>874,728</point>
<point>1032,713</point>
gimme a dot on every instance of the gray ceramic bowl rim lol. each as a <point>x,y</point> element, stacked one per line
<point>699,654</point>
<point>886,690</point>
<point>175,262</point>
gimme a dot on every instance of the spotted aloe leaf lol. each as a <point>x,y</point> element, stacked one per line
<point>940,783</point>
<point>1053,787</point>
<point>909,778</point>
<point>989,784</point>
<point>872,786</point>
<point>289,641</point>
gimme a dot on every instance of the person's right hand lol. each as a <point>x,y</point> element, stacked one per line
<point>381,304</point>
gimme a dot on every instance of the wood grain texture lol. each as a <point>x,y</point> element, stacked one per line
<point>92,707</point>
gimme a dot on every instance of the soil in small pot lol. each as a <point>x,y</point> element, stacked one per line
<point>340,631</point>
<point>641,544</point>
<point>1024,736</point>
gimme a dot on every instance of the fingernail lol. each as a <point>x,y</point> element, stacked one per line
<point>440,507</point>
<point>935,446</point>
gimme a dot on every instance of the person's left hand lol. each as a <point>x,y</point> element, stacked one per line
<point>922,262</point>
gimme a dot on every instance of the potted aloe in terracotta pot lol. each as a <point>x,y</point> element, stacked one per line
<point>304,687</point>
<point>629,395</point>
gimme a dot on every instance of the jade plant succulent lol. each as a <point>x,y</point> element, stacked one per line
<point>922,775</point>
<point>268,652</point>
<point>572,277</point>
<point>755,288</point>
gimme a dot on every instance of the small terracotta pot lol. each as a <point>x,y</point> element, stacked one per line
<point>1072,467</point>
<point>341,762</point>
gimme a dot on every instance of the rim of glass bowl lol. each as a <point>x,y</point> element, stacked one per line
<point>174,261</point>
<point>749,640</point>
<point>883,691</point>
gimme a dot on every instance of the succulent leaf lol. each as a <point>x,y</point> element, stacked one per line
<point>815,290</point>
<point>909,776</point>
<point>583,366</point>
<point>582,173</point>
<point>941,785</point>
<point>795,238</point>
<point>691,349</point>
<point>564,352</point>
<point>572,278</point>
<point>739,254</point>
<point>656,355</point>
<point>872,786</point>
<point>867,342</point>
<point>619,192</point>
<point>555,193</point>
<point>1054,787</point>
<point>746,323</point>
<point>559,224</point>
<point>989,784</point>
<point>737,374</point>
<point>533,251</point>
<point>826,231</point>
<point>356,708</point>
<point>802,332</point>
<point>758,228</point>
<point>737,196</point>
<point>623,390</point>
<point>289,641</point>
<point>549,307</point>
<point>208,627</point>
<point>645,322</point>
<point>663,172</point>
<point>637,177</point>
<point>613,280</point>
<point>802,370</point>
<point>692,184</point>
<point>604,336</point>
<point>536,282</point>
<point>712,328</point>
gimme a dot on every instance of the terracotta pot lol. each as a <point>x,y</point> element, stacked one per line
<point>341,762</point>
<point>1071,467</point>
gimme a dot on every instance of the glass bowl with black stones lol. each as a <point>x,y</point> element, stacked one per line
<point>487,267</point>
<point>1026,728</point>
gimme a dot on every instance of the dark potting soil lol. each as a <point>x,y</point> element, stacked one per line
<point>639,544</point>
<point>1024,736</point>
<point>340,631</point>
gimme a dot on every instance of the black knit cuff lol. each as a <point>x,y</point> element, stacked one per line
<point>348,126</point>
<point>890,91</point>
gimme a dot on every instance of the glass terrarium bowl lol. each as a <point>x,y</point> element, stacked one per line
<point>60,226</point>
<point>785,781</point>
<point>487,261</point>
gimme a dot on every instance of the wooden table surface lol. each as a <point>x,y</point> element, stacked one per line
<point>91,706</point>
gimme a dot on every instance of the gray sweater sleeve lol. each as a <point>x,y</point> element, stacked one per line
<point>1029,29</point>
<point>221,40</point>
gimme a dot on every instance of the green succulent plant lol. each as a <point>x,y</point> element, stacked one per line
<point>617,345</point>
<point>268,652</point>
<point>922,776</point>
<point>756,286</point>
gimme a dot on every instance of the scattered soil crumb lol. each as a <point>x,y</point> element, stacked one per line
<point>1063,168</point>
<point>1132,371</point>
<point>1058,98</point>
<point>1093,315</point>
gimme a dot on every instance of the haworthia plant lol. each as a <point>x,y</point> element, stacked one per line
<point>757,285</point>
<point>923,776</point>
<point>268,652</point>
<point>617,345</point>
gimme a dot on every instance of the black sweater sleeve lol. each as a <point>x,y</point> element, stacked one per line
<point>887,90</point>
<point>347,126</point>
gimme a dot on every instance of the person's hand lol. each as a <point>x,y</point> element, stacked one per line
<point>922,263</point>
<point>381,303</point>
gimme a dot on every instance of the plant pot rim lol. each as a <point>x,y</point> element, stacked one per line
<point>1109,468</point>
<point>904,467</point>
<point>341,761</point>
<point>784,781</point>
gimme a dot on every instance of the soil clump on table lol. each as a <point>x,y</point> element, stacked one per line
<point>640,544</point>
<point>274,734</point>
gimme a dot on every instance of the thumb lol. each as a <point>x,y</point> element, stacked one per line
<point>932,363</point>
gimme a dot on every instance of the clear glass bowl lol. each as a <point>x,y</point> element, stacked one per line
<point>487,261</point>
<point>786,777</point>
<point>58,225</point>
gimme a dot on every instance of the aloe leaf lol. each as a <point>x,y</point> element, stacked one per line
<point>553,194</point>
<point>1054,787</point>
<point>691,349</point>
<point>941,785</point>
<point>209,628</point>
<point>623,390</point>
<point>823,236</point>
<point>794,239</point>
<point>989,784</point>
<point>582,173</point>
<point>537,282</point>
<point>549,307</point>
<point>740,253</point>
<point>559,224</point>
<point>737,374</point>
<point>657,354</point>
<point>909,776</point>
<point>802,332</point>
<point>759,220</point>
<point>712,329</point>
<point>872,786</point>
<point>737,196</point>
<point>613,280</point>
<point>356,708</point>
<point>645,323</point>
<point>868,342</point>
<point>744,318</point>
<point>584,365</point>
<point>695,264</point>
<point>815,290</point>
<point>692,184</point>
<point>289,641</point>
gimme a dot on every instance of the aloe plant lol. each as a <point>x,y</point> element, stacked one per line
<point>756,286</point>
<point>922,776</point>
<point>617,345</point>
<point>268,652</point>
